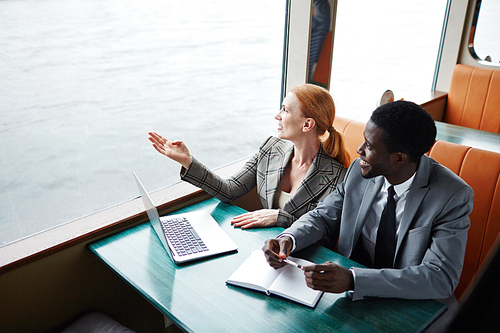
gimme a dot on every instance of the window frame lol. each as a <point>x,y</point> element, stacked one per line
<point>472,35</point>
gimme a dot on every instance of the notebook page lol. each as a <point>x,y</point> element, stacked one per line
<point>255,273</point>
<point>292,284</point>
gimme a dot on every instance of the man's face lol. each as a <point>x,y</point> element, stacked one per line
<point>375,160</point>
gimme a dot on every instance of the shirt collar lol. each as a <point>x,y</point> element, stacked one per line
<point>400,188</point>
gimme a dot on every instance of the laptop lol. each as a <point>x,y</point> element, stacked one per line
<point>187,236</point>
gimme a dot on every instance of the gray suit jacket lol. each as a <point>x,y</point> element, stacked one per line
<point>431,242</point>
<point>265,170</point>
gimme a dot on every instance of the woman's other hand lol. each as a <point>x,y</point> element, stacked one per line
<point>175,150</point>
<point>256,219</point>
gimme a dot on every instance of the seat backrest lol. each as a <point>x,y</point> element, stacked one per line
<point>353,134</point>
<point>474,98</point>
<point>481,170</point>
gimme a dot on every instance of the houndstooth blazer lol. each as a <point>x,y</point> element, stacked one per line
<point>265,170</point>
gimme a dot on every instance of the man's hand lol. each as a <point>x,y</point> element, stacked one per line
<point>329,277</point>
<point>276,250</point>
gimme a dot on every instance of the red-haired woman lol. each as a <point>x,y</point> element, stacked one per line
<point>292,172</point>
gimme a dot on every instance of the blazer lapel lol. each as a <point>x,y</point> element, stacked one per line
<point>312,184</point>
<point>417,193</point>
<point>276,167</point>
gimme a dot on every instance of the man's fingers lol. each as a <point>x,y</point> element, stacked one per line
<point>318,283</point>
<point>285,244</point>
<point>320,272</point>
<point>283,250</point>
<point>326,267</point>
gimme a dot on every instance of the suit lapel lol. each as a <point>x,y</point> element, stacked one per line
<point>372,189</point>
<point>417,193</point>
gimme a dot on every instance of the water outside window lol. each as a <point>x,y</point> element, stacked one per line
<point>83,81</point>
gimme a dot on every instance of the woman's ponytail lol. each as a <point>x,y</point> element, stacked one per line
<point>335,147</point>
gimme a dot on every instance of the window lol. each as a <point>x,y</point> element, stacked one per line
<point>84,81</point>
<point>485,32</point>
<point>382,45</point>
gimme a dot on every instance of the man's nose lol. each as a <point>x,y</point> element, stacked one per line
<point>360,150</point>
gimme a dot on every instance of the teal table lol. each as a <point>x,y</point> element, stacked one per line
<point>468,136</point>
<point>197,299</point>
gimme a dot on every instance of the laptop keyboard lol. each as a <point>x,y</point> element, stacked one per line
<point>182,235</point>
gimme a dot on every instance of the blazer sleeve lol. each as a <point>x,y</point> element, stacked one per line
<point>437,274</point>
<point>285,219</point>
<point>226,190</point>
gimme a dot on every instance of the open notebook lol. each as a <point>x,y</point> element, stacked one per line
<point>187,236</point>
<point>288,282</point>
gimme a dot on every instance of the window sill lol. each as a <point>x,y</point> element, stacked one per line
<point>102,223</point>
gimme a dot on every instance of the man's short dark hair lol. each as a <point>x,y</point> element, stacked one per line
<point>409,128</point>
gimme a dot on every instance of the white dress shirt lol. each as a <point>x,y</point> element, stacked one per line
<point>370,229</point>
<point>369,232</point>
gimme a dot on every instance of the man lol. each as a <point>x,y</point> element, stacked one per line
<point>419,256</point>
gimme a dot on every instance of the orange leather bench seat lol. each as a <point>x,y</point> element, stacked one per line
<point>479,168</point>
<point>474,98</point>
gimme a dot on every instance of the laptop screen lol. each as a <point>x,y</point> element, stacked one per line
<point>152,212</point>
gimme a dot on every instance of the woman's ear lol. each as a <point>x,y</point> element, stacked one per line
<point>308,125</point>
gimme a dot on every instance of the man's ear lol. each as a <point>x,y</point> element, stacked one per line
<point>400,157</point>
<point>309,124</point>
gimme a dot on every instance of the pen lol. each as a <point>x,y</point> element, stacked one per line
<point>288,261</point>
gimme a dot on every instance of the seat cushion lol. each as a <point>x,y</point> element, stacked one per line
<point>96,322</point>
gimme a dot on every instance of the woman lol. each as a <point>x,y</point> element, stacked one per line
<point>292,172</point>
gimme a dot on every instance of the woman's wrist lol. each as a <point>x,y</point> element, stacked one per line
<point>188,163</point>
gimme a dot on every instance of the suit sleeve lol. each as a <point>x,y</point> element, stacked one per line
<point>438,273</point>
<point>323,220</point>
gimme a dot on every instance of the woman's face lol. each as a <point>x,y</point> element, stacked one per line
<point>290,118</point>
